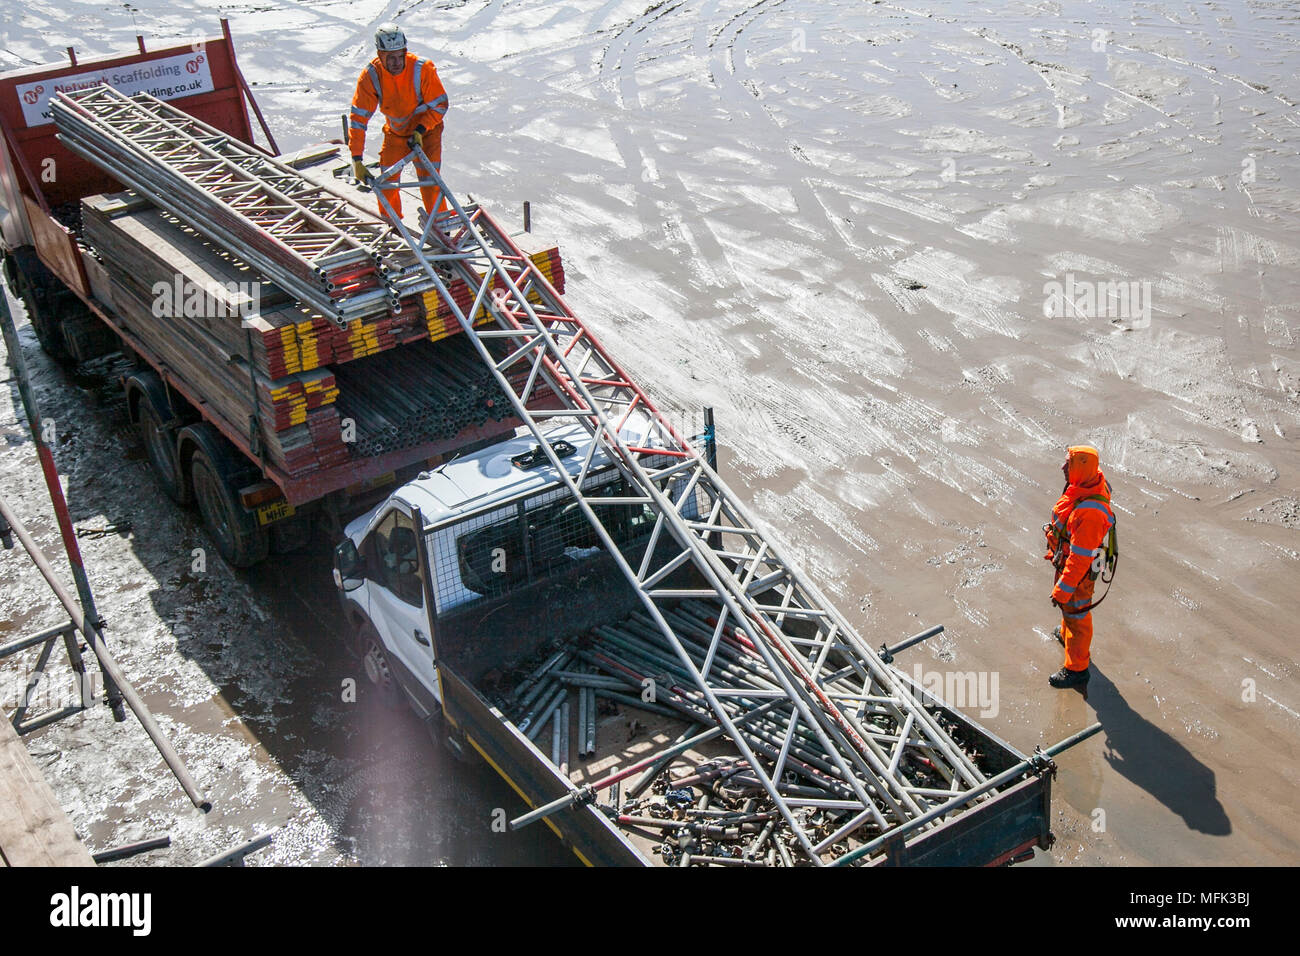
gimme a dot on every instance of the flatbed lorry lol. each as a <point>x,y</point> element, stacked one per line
<point>651,704</point>
<point>198,451</point>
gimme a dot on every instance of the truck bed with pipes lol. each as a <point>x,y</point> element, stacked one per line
<point>480,596</point>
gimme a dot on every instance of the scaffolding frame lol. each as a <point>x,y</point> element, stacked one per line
<point>862,715</point>
<point>308,239</point>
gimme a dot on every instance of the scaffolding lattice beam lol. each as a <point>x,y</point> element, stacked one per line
<point>845,705</point>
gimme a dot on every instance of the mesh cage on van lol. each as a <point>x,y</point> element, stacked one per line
<point>493,552</point>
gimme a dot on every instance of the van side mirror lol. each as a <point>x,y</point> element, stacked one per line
<point>347,566</point>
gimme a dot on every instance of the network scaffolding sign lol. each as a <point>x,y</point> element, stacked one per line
<point>167,78</point>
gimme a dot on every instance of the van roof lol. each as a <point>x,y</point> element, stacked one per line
<point>487,477</point>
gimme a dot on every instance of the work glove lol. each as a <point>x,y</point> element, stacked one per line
<point>1059,596</point>
<point>416,139</point>
<point>359,170</point>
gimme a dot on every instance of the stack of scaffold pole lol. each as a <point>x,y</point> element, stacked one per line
<point>698,802</point>
<point>308,241</point>
<point>314,242</point>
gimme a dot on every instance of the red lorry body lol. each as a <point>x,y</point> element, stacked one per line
<point>32,196</point>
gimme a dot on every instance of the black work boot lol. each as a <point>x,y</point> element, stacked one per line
<point>1068,678</point>
<point>1060,638</point>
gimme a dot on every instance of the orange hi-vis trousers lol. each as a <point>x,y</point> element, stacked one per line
<point>395,148</point>
<point>1076,628</point>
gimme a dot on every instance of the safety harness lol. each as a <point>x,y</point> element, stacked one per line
<point>1104,560</point>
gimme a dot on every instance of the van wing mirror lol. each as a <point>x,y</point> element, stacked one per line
<point>347,564</point>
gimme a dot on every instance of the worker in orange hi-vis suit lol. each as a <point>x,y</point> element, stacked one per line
<point>407,90</point>
<point>1079,544</point>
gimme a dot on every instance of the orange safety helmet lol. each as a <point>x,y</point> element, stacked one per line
<point>1081,464</point>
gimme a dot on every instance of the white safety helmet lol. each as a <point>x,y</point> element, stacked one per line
<point>389,37</point>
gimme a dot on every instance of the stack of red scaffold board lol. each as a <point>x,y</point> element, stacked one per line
<point>442,321</point>
<point>292,397</point>
<point>244,346</point>
<point>185,302</point>
<point>292,339</point>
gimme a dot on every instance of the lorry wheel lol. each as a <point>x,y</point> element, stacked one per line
<point>86,336</point>
<point>39,289</point>
<point>379,672</point>
<point>241,542</point>
<point>161,449</point>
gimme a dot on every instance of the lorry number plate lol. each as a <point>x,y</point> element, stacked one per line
<point>276,510</point>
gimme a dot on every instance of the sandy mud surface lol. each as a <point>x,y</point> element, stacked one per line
<point>842,224</point>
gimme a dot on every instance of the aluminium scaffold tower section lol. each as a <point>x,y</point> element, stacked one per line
<point>310,240</point>
<point>829,685</point>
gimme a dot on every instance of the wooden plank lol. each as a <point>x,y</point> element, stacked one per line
<point>34,830</point>
<point>226,389</point>
<point>273,357</point>
<point>146,246</point>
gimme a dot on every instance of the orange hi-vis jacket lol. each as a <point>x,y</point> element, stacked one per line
<point>414,97</point>
<point>1082,516</point>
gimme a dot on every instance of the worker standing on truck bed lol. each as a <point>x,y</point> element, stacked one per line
<point>1081,545</point>
<point>407,90</point>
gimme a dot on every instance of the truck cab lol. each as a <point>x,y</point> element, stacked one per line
<point>445,554</point>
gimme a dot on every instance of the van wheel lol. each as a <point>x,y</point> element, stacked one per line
<point>378,670</point>
<point>161,449</point>
<point>241,542</point>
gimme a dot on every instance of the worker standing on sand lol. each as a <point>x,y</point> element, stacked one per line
<point>407,90</point>
<point>1080,544</point>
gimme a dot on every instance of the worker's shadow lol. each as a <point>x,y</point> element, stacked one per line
<point>1155,761</point>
